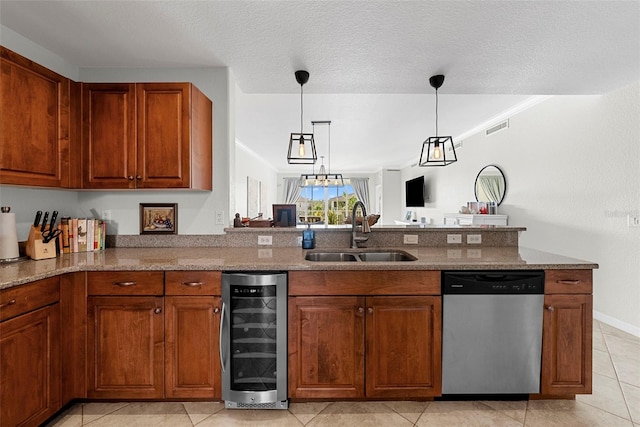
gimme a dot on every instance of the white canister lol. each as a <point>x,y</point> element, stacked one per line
<point>8,235</point>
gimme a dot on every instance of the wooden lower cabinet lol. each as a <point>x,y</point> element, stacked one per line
<point>125,341</point>
<point>567,344</point>
<point>328,347</point>
<point>30,380</point>
<point>192,352</point>
<point>403,342</point>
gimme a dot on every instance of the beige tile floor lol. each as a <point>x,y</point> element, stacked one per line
<point>615,402</point>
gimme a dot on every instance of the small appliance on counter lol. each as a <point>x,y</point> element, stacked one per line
<point>8,236</point>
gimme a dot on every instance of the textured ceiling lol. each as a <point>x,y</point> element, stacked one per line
<point>369,60</point>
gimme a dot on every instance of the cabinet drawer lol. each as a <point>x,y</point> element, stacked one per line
<point>21,299</point>
<point>193,283</point>
<point>364,282</point>
<point>125,283</point>
<point>568,282</point>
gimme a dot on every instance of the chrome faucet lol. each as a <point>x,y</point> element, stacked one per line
<point>355,240</point>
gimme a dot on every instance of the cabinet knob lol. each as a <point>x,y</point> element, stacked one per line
<point>125,284</point>
<point>360,309</point>
<point>370,310</point>
<point>138,177</point>
<point>130,178</point>
<point>550,308</point>
<point>216,310</point>
<point>157,310</point>
<point>192,284</point>
<point>11,302</point>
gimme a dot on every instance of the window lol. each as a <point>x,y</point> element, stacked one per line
<point>326,205</point>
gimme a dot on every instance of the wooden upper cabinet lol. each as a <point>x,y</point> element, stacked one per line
<point>146,135</point>
<point>36,124</point>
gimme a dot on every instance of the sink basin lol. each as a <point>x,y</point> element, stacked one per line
<point>330,256</point>
<point>364,256</point>
<point>386,256</point>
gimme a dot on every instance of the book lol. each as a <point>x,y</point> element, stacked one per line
<point>73,235</point>
<point>64,226</point>
<point>82,235</point>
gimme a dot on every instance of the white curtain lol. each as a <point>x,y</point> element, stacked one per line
<point>292,190</point>
<point>361,187</point>
<point>493,187</point>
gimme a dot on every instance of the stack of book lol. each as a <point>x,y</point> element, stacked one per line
<point>82,234</point>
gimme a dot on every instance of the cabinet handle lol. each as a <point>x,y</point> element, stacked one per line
<point>157,310</point>
<point>11,302</point>
<point>569,282</point>
<point>550,308</point>
<point>360,309</point>
<point>216,310</point>
<point>130,178</point>
<point>192,284</point>
<point>125,284</point>
<point>370,310</point>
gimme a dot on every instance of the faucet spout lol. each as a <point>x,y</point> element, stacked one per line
<point>355,239</point>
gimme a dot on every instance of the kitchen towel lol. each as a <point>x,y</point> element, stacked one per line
<point>8,236</point>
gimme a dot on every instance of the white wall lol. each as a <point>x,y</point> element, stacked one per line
<point>248,164</point>
<point>196,210</point>
<point>572,165</point>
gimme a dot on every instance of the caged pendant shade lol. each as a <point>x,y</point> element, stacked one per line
<point>324,177</point>
<point>302,147</point>
<point>437,150</point>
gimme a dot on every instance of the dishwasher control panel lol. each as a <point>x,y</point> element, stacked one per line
<point>493,282</point>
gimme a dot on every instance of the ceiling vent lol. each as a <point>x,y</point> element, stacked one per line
<point>497,128</point>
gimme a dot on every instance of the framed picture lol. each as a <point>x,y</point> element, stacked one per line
<point>284,215</point>
<point>158,218</point>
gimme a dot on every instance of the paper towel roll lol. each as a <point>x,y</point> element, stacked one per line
<point>8,236</point>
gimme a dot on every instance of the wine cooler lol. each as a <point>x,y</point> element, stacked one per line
<point>253,340</point>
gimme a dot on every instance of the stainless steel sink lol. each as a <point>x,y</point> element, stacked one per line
<point>386,256</point>
<point>330,257</point>
<point>363,256</point>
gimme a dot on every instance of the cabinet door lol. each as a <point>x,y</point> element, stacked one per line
<point>164,135</point>
<point>30,367</point>
<point>566,344</point>
<point>125,345</point>
<point>34,130</point>
<point>403,341</point>
<point>326,347</point>
<point>192,351</point>
<point>109,135</point>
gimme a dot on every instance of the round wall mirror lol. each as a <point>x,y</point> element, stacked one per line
<point>490,185</point>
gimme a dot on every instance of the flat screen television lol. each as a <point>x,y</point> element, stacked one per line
<point>414,192</point>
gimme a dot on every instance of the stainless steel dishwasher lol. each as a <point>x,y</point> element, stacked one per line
<point>492,331</point>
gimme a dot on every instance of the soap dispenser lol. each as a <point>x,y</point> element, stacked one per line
<point>308,238</point>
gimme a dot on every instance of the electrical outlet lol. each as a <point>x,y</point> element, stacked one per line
<point>106,215</point>
<point>410,239</point>
<point>474,239</point>
<point>265,240</point>
<point>454,238</point>
<point>633,221</point>
<point>219,217</point>
<point>299,240</point>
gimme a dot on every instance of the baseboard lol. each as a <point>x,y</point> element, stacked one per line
<point>612,321</point>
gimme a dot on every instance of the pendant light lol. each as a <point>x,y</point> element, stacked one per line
<point>323,177</point>
<point>435,149</point>
<point>302,147</point>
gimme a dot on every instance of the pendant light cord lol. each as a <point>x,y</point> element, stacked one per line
<point>301,108</point>
<point>436,112</point>
<point>329,162</point>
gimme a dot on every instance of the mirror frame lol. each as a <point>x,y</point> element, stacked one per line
<point>504,179</point>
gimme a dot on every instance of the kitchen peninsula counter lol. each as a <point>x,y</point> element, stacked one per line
<point>281,259</point>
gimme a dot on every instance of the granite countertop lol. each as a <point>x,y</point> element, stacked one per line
<point>279,258</point>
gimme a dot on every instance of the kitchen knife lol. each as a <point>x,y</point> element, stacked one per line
<point>54,216</point>
<point>44,221</point>
<point>36,221</point>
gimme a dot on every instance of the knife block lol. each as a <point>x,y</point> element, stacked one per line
<point>36,248</point>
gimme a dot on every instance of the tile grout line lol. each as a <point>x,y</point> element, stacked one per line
<point>615,369</point>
